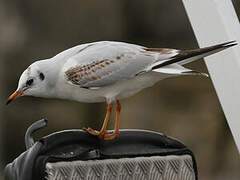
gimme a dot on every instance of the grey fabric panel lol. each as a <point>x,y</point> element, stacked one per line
<point>140,168</point>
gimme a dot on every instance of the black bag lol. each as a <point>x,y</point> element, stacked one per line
<point>136,151</point>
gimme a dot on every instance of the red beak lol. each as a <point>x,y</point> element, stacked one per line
<point>15,95</point>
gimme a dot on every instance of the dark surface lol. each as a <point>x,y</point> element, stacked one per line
<point>72,145</point>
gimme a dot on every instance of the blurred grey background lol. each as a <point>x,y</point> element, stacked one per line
<point>186,108</point>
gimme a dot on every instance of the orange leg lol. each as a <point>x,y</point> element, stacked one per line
<point>116,132</point>
<point>101,134</point>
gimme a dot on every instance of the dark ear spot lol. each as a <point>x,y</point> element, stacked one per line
<point>41,76</point>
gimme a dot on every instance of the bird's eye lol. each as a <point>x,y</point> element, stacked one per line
<point>29,82</point>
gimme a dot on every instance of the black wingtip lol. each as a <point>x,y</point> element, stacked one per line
<point>186,54</point>
<point>229,44</point>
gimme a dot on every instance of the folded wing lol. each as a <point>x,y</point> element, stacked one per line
<point>105,63</point>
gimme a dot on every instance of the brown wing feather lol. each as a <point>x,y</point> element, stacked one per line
<point>82,74</point>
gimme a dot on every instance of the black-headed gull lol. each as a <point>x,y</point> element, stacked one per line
<point>106,72</point>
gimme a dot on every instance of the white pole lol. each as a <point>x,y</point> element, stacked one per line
<point>215,21</point>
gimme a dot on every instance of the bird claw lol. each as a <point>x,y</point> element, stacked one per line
<point>99,134</point>
<point>111,136</point>
<point>102,135</point>
<point>91,131</point>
